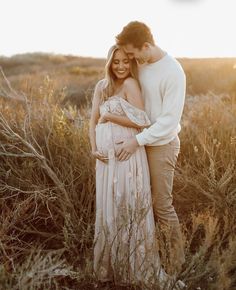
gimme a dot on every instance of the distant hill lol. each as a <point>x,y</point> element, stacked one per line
<point>79,74</point>
<point>35,62</point>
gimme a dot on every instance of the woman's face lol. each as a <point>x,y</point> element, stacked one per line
<point>120,64</point>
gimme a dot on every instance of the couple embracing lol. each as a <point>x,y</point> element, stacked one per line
<point>134,128</point>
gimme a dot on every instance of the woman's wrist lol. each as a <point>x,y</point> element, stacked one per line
<point>108,116</point>
<point>94,149</point>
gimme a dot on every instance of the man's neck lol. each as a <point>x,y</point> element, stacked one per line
<point>156,54</point>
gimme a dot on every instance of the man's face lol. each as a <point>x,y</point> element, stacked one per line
<point>141,55</point>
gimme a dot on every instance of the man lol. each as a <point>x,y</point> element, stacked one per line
<point>163,86</point>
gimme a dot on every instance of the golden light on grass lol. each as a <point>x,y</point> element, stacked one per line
<point>47,187</point>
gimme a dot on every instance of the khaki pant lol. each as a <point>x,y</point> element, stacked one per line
<point>162,160</point>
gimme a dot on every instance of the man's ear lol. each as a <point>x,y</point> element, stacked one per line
<point>146,45</point>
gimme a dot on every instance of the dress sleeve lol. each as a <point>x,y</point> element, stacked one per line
<point>136,115</point>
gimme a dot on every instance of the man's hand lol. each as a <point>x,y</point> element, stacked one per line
<point>127,148</point>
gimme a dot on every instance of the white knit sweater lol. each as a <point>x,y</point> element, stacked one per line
<point>163,87</point>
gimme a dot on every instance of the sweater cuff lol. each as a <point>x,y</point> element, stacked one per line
<point>140,139</point>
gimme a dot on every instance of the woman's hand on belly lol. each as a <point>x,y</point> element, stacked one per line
<point>100,156</point>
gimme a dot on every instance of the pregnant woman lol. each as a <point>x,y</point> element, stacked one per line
<point>125,244</point>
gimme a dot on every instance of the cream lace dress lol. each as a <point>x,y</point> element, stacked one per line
<point>125,243</point>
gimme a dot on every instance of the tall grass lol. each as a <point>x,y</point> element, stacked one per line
<point>47,192</point>
<point>47,188</point>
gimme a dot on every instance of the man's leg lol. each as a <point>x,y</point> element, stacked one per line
<point>162,160</point>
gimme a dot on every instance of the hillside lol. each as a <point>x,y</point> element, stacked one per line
<point>78,75</point>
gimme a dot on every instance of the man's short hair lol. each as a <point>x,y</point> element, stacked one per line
<point>135,33</point>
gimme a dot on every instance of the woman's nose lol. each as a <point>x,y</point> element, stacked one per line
<point>121,65</point>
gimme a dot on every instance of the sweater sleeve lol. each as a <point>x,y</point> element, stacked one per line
<point>172,107</point>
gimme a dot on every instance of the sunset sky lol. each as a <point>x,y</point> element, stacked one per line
<point>184,28</point>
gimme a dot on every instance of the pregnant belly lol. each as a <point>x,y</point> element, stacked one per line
<point>109,134</point>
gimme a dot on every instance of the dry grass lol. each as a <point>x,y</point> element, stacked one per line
<point>78,74</point>
<point>47,191</point>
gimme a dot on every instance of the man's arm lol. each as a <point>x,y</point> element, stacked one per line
<point>172,108</point>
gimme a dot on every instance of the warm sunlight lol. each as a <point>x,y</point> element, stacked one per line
<point>117,164</point>
<point>185,28</point>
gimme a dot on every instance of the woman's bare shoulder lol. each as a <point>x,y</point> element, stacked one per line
<point>130,82</point>
<point>131,86</point>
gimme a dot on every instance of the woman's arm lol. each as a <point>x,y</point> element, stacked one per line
<point>94,118</point>
<point>132,94</point>
<point>93,122</point>
<point>120,120</point>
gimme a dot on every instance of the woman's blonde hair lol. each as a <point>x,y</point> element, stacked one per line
<point>109,82</point>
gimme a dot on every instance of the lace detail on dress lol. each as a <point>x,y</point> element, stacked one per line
<point>136,115</point>
<point>125,244</point>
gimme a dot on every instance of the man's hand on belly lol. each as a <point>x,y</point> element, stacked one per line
<point>126,148</point>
